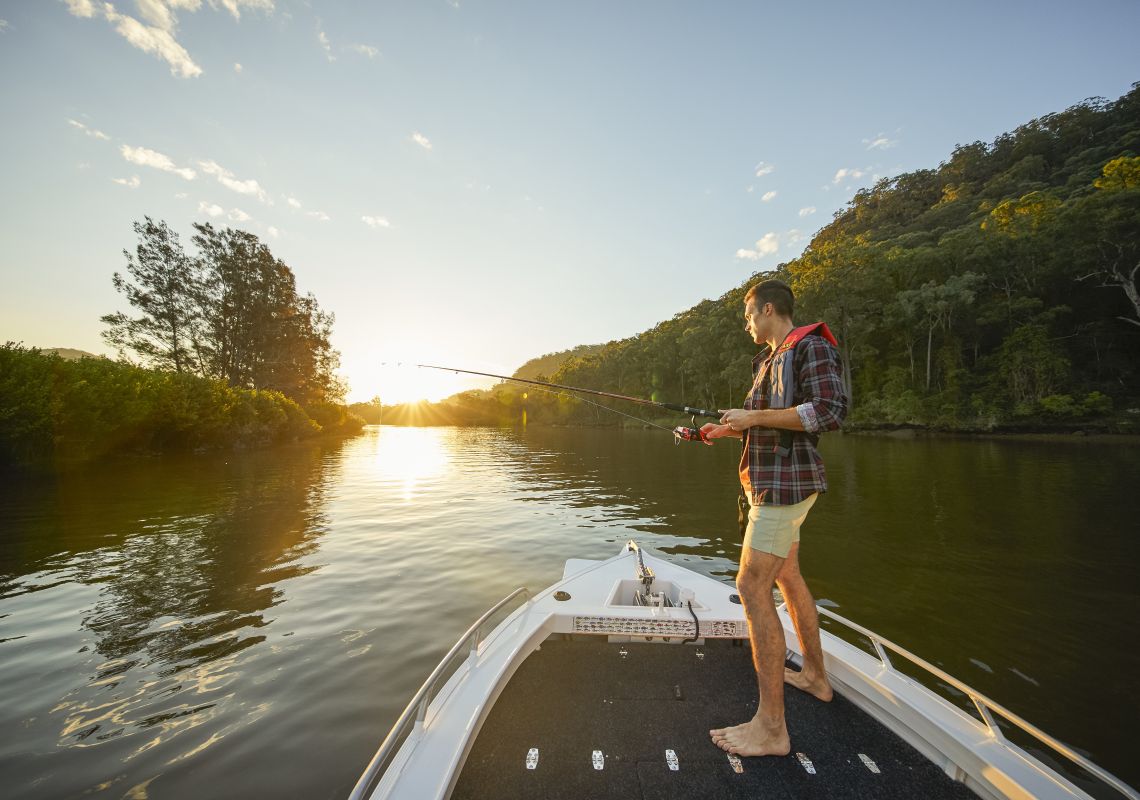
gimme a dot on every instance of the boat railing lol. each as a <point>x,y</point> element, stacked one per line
<point>416,710</point>
<point>986,707</point>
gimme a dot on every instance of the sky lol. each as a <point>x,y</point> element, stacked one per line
<point>475,183</point>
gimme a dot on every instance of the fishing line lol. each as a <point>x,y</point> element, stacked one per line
<point>605,408</point>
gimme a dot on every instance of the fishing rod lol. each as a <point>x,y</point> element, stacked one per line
<point>692,434</point>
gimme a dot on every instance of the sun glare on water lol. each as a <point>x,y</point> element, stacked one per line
<point>411,458</point>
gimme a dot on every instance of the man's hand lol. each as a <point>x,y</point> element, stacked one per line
<point>737,419</point>
<point>711,430</point>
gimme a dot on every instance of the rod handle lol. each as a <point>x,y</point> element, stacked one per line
<point>696,412</point>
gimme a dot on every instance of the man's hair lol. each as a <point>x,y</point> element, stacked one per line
<point>778,293</point>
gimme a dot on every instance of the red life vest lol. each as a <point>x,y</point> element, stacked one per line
<point>782,375</point>
<point>779,365</point>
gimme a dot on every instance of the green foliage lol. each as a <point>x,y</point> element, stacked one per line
<point>371,413</point>
<point>334,417</point>
<point>55,411</point>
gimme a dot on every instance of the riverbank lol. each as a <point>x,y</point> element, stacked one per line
<point>1045,435</point>
<point>1093,432</point>
<point>60,413</point>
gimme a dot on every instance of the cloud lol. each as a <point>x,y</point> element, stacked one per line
<point>4,25</point>
<point>180,196</point>
<point>232,6</point>
<point>210,209</point>
<point>763,169</point>
<point>848,172</point>
<point>806,211</point>
<point>766,245</point>
<point>131,182</point>
<point>89,131</point>
<point>376,222</point>
<point>237,215</point>
<point>322,216</point>
<point>237,68</point>
<point>421,140</point>
<point>273,231</point>
<point>880,142</point>
<point>150,158</point>
<point>154,40</point>
<point>155,34</point>
<point>324,40</point>
<point>794,236</point>
<point>226,178</point>
<point>157,14</point>
<point>293,202</point>
<point>768,196</point>
<point>81,8</point>
<point>364,50</point>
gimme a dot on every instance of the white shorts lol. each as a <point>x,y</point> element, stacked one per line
<point>774,529</point>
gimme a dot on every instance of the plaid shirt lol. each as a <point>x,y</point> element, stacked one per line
<point>819,398</point>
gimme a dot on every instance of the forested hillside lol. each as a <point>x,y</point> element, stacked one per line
<point>544,366</point>
<point>997,290</point>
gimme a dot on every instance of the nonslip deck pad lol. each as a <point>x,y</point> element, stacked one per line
<point>634,701</point>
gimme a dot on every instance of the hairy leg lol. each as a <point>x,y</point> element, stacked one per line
<point>801,605</point>
<point>766,733</point>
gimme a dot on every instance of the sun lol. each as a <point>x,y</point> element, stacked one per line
<point>403,382</point>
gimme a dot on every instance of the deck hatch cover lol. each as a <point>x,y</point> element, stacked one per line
<point>737,767</point>
<point>868,763</point>
<point>671,760</point>
<point>598,759</point>
<point>532,758</point>
<point>805,762</point>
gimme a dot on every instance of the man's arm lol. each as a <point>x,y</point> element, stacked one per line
<point>819,378</point>
<point>739,419</point>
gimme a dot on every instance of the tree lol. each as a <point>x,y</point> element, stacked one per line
<point>233,312</point>
<point>264,335</point>
<point>167,290</point>
<point>1110,221</point>
<point>933,305</point>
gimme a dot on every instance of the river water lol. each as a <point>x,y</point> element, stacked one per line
<point>251,625</point>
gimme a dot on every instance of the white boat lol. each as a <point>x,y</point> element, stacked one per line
<point>606,684</point>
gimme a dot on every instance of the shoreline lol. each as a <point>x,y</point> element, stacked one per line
<point>1031,435</point>
<point>901,432</point>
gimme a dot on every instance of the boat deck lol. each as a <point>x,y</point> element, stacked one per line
<point>573,697</point>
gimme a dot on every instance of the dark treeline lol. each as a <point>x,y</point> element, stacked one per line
<point>231,312</point>
<point>998,291</point>
<point>228,354</point>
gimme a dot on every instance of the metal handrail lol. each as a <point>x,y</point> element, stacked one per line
<point>984,705</point>
<point>417,706</point>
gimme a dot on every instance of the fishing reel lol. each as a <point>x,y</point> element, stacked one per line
<point>693,434</point>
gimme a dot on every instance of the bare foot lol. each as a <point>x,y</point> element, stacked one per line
<point>815,685</point>
<point>753,739</point>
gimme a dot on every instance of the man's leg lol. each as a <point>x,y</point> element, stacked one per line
<point>801,605</point>
<point>766,733</point>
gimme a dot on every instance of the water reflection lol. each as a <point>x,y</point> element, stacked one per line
<point>175,567</point>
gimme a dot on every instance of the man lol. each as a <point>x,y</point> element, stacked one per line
<point>797,393</point>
